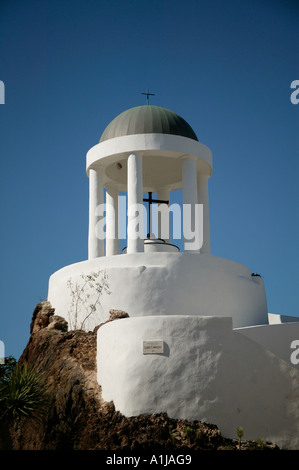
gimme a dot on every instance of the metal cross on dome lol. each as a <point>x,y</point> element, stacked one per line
<point>150,200</point>
<point>147,95</point>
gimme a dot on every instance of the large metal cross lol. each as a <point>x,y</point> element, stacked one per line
<point>147,95</point>
<point>150,201</point>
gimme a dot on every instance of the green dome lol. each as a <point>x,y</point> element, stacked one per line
<point>148,119</point>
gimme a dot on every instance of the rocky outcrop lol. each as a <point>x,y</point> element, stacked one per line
<point>78,418</point>
<point>44,317</point>
<point>117,314</point>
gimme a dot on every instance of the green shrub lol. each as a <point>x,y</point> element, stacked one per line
<point>23,393</point>
<point>240,434</point>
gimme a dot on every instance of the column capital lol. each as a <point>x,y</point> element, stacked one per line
<point>137,154</point>
<point>203,175</point>
<point>97,168</point>
<point>188,157</point>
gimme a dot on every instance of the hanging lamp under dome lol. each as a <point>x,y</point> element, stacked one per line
<point>148,119</point>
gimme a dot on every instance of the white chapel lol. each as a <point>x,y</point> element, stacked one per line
<point>198,341</point>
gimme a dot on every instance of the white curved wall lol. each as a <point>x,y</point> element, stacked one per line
<point>207,372</point>
<point>277,338</point>
<point>164,284</point>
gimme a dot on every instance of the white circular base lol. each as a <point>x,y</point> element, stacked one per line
<point>157,284</point>
<point>204,371</point>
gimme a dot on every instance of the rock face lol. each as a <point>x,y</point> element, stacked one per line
<point>78,418</point>
<point>43,317</point>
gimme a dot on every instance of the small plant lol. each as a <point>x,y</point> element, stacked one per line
<point>170,428</point>
<point>172,438</point>
<point>189,433</point>
<point>240,434</point>
<point>257,445</point>
<point>23,394</point>
<point>85,297</point>
<point>260,442</point>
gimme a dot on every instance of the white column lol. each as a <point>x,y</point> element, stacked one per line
<point>96,197</point>
<point>203,198</point>
<point>135,201</point>
<point>163,217</point>
<point>189,179</point>
<point>112,239</point>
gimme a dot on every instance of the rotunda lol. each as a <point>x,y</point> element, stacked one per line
<point>150,149</point>
<point>195,341</point>
<point>145,149</point>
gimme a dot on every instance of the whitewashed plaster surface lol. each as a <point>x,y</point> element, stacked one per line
<point>277,338</point>
<point>208,372</point>
<point>161,284</point>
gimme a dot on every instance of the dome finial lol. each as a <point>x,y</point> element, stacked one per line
<point>147,95</point>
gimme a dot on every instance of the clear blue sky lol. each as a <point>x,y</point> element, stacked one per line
<point>70,67</point>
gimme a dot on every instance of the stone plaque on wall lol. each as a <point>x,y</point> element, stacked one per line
<point>153,347</point>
